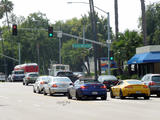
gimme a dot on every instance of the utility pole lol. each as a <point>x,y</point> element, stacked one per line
<point>3,51</point>
<point>92,12</point>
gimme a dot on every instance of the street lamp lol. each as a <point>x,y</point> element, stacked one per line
<point>108,30</point>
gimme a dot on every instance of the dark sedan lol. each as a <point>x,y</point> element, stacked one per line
<point>84,88</point>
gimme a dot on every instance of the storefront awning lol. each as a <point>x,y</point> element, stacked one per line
<point>149,57</point>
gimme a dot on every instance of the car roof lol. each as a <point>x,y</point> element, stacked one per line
<point>151,74</point>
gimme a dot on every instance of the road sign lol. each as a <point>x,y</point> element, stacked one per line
<point>81,45</point>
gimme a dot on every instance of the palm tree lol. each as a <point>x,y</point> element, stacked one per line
<point>143,22</point>
<point>116,18</point>
<point>6,7</point>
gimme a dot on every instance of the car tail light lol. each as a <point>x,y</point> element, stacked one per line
<point>145,86</point>
<point>28,77</point>
<point>103,87</point>
<point>54,85</point>
<point>42,82</point>
<point>128,86</point>
<point>84,87</point>
<point>152,83</point>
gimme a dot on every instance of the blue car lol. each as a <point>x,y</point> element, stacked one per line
<point>85,87</point>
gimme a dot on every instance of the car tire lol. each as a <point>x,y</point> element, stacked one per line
<point>111,94</point>
<point>146,97</point>
<point>69,96</point>
<point>104,97</point>
<point>77,96</point>
<point>23,83</point>
<point>44,92</point>
<point>121,95</point>
<point>158,94</point>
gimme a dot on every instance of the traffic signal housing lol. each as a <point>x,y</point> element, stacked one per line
<point>14,29</point>
<point>111,56</point>
<point>50,31</point>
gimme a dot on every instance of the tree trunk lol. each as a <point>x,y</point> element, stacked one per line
<point>144,31</point>
<point>116,18</point>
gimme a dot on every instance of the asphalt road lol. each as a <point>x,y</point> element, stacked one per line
<point>18,102</point>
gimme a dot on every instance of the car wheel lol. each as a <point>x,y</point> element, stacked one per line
<point>146,97</point>
<point>111,94</point>
<point>158,94</point>
<point>69,96</point>
<point>121,95</point>
<point>104,97</point>
<point>44,92</point>
<point>77,96</point>
<point>23,83</point>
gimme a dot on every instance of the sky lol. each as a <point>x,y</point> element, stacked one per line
<point>55,10</point>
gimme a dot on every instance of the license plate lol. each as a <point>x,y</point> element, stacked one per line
<point>94,93</point>
<point>138,92</point>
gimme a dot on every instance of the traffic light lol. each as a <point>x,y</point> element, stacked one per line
<point>111,56</point>
<point>14,29</point>
<point>50,31</point>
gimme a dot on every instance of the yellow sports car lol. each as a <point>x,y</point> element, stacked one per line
<point>130,88</point>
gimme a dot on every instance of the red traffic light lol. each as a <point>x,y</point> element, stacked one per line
<point>14,29</point>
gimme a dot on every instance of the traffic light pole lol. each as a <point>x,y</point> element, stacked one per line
<point>108,43</point>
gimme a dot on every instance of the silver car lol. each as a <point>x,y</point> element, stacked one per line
<point>153,82</point>
<point>40,83</point>
<point>57,85</point>
<point>30,78</point>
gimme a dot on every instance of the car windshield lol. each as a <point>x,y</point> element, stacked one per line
<point>89,81</point>
<point>18,72</point>
<point>156,78</point>
<point>33,75</point>
<point>134,82</point>
<point>64,74</point>
<point>61,80</point>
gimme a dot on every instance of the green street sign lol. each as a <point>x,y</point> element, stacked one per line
<point>81,45</point>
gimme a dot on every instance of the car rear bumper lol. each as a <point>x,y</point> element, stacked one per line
<point>58,90</point>
<point>154,90</point>
<point>92,93</point>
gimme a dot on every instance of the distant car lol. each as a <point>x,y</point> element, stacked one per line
<point>153,82</point>
<point>130,88</point>
<point>17,75</point>
<point>57,85</point>
<point>30,78</point>
<point>67,74</point>
<point>108,80</point>
<point>40,83</point>
<point>79,74</point>
<point>86,87</point>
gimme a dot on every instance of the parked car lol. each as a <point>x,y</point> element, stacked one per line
<point>17,75</point>
<point>130,88</point>
<point>153,82</point>
<point>40,83</point>
<point>57,85</point>
<point>30,78</point>
<point>86,87</point>
<point>108,80</point>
